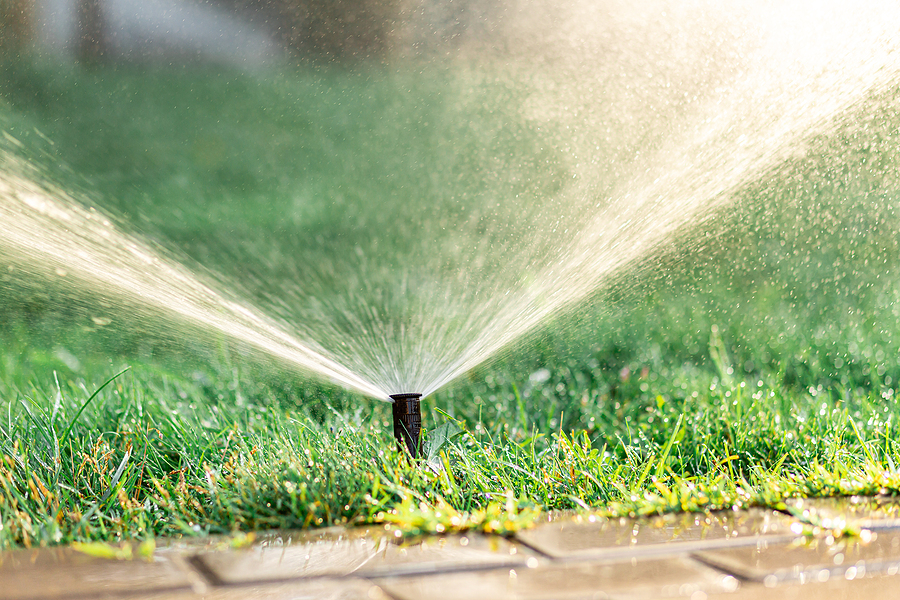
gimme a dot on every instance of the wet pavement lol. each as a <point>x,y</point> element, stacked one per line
<point>815,549</point>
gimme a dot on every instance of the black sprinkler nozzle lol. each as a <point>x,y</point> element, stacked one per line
<point>407,421</point>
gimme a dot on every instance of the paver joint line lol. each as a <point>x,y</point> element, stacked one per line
<point>200,568</point>
<point>398,572</point>
<point>664,550</point>
<point>94,594</point>
<point>743,578</point>
<point>530,546</point>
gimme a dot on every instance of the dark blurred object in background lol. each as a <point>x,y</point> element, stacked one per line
<point>92,31</point>
<point>249,32</point>
<point>16,27</point>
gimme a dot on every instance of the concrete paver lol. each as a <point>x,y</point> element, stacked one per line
<point>836,588</point>
<point>66,573</point>
<point>815,559</point>
<point>368,553</point>
<point>636,578</point>
<point>666,534</point>
<point>346,588</point>
<point>726,555</point>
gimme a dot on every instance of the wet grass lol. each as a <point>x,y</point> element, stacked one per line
<point>151,455</point>
<point>758,365</point>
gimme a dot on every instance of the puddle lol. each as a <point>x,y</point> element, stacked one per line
<point>358,553</point>
<point>810,559</point>
<point>587,536</point>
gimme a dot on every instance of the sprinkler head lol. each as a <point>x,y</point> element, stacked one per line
<point>407,422</point>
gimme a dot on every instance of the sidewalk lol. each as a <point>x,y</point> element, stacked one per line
<point>727,555</point>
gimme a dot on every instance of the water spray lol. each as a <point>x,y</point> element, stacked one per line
<point>407,421</point>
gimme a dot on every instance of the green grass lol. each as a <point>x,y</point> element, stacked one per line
<point>150,455</point>
<point>759,363</point>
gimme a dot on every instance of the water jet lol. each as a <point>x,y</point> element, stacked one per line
<point>457,210</point>
<point>407,421</point>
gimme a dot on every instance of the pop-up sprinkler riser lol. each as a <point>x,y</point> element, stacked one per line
<point>407,422</point>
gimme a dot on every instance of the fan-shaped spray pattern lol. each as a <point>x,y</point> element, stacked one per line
<point>655,116</point>
<point>46,230</point>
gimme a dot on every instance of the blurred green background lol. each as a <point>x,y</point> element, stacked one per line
<point>262,174</point>
<point>796,280</point>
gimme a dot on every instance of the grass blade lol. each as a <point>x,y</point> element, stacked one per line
<point>660,467</point>
<point>65,433</point>
<point>116,476</point>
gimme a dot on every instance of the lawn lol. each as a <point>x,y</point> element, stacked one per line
<point>751,361</point>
